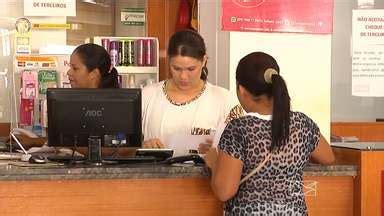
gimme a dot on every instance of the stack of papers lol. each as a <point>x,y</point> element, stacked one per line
<point>185,144</point>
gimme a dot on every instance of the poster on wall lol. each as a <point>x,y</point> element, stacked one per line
<point>23,36</point>
<point>368,53</point>
<point>49,7</point>
<point>300,16</point>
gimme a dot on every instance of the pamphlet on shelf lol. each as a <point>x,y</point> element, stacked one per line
<point>36,73</point>
<point>29,84</point>
<point>47,79</point>
<point>26,111</point>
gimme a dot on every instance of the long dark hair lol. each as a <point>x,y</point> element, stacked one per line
<point>188,43</point>
<point>94,56</point>
<point>250,73</point>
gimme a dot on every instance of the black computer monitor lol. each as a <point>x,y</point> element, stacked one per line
<point>86,117</point>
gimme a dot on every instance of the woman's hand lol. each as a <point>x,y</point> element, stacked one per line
<point>153,143</point>
<point>204,147</point>
<point>210,158</point>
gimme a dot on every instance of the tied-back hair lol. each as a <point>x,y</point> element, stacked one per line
<point>188,43</point>
<point>94,56</point>
<point>250,74</point>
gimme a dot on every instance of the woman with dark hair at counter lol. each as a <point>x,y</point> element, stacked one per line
<point>186,103</point>
<point>259,164</point>
<point>90,67</point>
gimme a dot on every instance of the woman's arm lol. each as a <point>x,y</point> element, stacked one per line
<point>226,173</point>
<point>323,153</point>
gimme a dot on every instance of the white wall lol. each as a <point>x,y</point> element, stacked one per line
<point>305,64</point>
<point>217,42</point>
<point>305,61</point>
<point>344,106</point>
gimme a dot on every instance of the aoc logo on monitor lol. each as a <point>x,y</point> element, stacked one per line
<point>93,113</point>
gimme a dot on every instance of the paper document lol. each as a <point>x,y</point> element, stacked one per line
<point>219,131</point>
<point>182,144</point>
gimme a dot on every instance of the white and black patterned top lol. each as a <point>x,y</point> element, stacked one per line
<point>277,188</point>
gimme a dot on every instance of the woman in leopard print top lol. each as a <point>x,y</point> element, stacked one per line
<point>270,132</point>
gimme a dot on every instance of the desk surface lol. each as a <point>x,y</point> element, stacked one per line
<point>26,171</point>
<point>364,146</point>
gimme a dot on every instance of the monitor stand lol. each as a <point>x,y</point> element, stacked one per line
<point>94,150</point>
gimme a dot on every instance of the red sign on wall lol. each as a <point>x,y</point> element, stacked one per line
<point>302,16</point>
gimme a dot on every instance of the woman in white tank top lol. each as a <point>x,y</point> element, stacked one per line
<point>186,103</point>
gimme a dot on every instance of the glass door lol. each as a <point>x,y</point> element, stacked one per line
<point>7,29</point>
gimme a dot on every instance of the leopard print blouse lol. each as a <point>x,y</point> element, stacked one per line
<point>276,188</point>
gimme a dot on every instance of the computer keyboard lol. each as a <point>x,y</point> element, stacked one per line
<point>65,158</point>
<point>130,160</point>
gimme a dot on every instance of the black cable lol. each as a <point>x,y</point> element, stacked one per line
<point>72,159</point>
<point>117,148</point>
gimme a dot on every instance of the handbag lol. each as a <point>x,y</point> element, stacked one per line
<point>256,169</point>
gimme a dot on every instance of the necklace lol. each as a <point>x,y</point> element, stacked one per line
<point>183,103</point>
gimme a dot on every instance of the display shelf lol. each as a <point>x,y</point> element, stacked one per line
<point>31,76</point>
<point>134,57</point>
<point>136,70</point>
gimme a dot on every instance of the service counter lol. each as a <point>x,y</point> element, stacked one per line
<point>50,189</point>
<point>368,157</point>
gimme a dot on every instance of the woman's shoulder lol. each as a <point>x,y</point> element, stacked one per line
<point>299,115</point>
<point>302,118</point>
<point>152,88</point>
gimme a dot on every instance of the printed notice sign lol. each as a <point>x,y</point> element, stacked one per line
<point>302,16</point>
<point>49,7</point>
<point>23,36</point>
<point>368,53</point>
<point>133,16</point>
